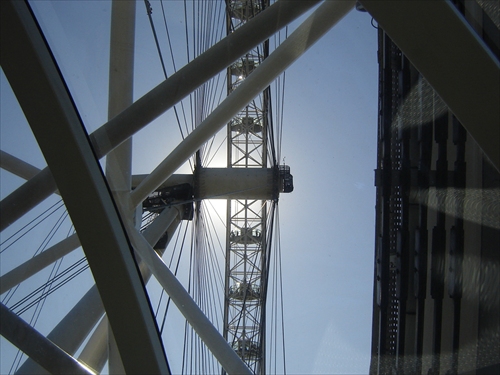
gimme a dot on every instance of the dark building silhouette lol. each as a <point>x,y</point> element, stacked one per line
<point>436,303</point>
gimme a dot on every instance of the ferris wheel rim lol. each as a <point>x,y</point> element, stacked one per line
<point>45,172</point>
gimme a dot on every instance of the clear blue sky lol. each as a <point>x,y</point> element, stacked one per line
<point>330,129</point>
<point>327,223</point>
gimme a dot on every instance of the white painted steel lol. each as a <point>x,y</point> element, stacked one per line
<point>214,341</point>
<point>38,263</point>
<point>160,99</point>
<point>38,347</point>
<point>43,175</point>
<point>17,166</point>
<point>236,183</point>
<point>315,26</point>
<point>95,353</point>
<point>26,197</point>
<point>43,96</point>
<point>71,331</point>
<point>120,96</point>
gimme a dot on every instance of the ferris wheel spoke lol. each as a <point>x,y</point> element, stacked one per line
<point>17,166</point>
<point>246,91</point>
<point>42,350</point>
<point>187,306</point>
<point>69,336</point>
<point>106,138</point>
<point>26,197</point>
<point>159,100</point>
<point>37,263</point>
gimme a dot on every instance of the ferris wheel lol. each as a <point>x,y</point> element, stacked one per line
<point>113,313</point>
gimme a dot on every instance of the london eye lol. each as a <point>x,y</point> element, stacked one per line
<point>203,222</point>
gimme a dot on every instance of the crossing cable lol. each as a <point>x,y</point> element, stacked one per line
<point>55,269</point>
<point>218,281</point>
<point>200,360</point>
<point>281,292</point>
<point>59,204</point>
<point>209,277</point>
<point>190,344</point>
<point>175,272</point>
<point>270,131</point>
<point>206,95</point>
<point>44,296</point>
<point>173,65</point>
<point>274,311</point>
<point>188,59</point>
<point>19,355</point>
<point>266,263</point>
<point>210,39</point>
<point>19,305</point>
<point>204,284</point>
<point>213,100</point>
<point>221,247</point>
<point>281,111</point>
<point>260,308</point>
<point>36,314</point>
<point>281,114</point>
<point>41,248</point>
<point>149,11</point>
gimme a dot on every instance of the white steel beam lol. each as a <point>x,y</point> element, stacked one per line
<point>29,194</point>
<point>38,263</point>
<point>175,179</point>
<point>121,80</point>
<point>71,332</point>
<point>198,71</point>
<point>236,183</point>
<point>43,351</point>
<point>316,25</point>
<point>214,341</point>
<point>160,99</point>
<point>66,246</point>
<point>43,96</point>
<point>94,353</point>
<point>453,59</point>
<point>17,166</point>
<point>120,96</point>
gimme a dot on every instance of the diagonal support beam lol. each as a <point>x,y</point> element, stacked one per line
<point>304,37</point>
<point>44,98</point>
<point>312,29</point>
<point>34,344</point>
<point>17,166</point>
<point>72,330</point>
<point>226,356</point>
<point>38,263</point>
<point>160,99</point>
<point>120,96</point>
<point>453,59</point>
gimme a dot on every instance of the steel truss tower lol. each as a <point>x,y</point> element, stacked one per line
<point>103,220</point>
<point>246,230</point>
